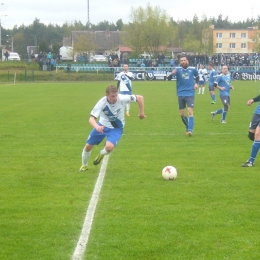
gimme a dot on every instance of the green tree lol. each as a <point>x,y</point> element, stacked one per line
<point>191,43</point>
<point>84,44</point>
<point>150,29</point>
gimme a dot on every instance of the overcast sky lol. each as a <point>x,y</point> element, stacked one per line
<point>61,11</point>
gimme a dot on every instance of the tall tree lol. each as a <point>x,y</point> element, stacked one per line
<point>150,29</point>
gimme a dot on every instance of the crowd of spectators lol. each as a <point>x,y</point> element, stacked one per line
<point>48,61</point>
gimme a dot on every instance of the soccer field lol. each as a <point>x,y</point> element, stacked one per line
<point>211,211</point>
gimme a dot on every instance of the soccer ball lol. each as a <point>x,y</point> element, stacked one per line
<point>169,173</point>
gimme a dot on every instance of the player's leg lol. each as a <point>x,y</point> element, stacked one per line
<point>199,88</point>
<point>254,150</point>
<point>252,126</point>
<point>203,88</point>
<point>113,136</point>
<point>190,104</point>
<point>94,138</point>
<point>182,106</point>
<point>212,94</point>
<point>226,103</point>
<point>127,109</point>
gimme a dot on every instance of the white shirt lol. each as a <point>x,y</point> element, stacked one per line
<point>112,115</point>
<point>202,74</point>
<point>125,82</point>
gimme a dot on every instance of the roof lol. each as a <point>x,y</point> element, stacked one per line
<point>124,49</point>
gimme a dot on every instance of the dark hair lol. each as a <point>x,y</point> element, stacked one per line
<point>211,64</point>
<point>111,89</point>
<point>184,56</point>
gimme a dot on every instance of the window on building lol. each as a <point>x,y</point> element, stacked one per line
<point>219,35</point>
<point>232,45</point>
<point>219,45</point>
<point>232,35</point>
<point>243,45</point>
<point>243,35</point>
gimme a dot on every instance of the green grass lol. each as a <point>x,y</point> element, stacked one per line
<point>209,212</point>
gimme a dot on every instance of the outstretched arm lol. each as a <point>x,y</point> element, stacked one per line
<point>251,101</point>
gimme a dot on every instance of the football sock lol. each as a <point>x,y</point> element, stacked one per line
<point>213,97</point>
<point>254,151</point>
<point>185,121</point>
<point>104,151</point>
<point>190,124</point>
<point>203,89</point>
<point>85,157</point>
<point>219,111</point>
<point>127,108</point>
<point>224,114</point>
<point>199,90</point>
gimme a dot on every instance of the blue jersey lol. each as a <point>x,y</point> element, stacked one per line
<point>212,77</point>
<point>185,81</point>
<point>257,110</point>
<point>224,81</point>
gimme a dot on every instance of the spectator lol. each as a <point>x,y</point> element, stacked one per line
<point>6,55</point>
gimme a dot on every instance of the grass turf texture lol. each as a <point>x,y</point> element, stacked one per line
<point>209,212</point>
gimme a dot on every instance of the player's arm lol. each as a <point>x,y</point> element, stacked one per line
<point>118,84</point>
<point>169,77</point>
<point>251,101</point>
<point>92,121</point>
<point>140,101</point>
<point>217,86</point>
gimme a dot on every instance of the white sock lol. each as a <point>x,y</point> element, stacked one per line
<point>104,151</point>
<point>203,89</point>
<point>127,108</point>
<point>199,90</point>
<point>85,157</point>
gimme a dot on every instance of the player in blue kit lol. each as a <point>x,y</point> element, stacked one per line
<point>223,83</point>
<point>110,111</point>
<point>212,78</point>
<point>186,87</point>
<point>254,132</point>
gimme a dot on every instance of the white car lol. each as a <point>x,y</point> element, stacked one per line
<point>99,58</point>
<point>12,56</point>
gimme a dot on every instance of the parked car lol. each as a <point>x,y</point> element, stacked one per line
<point>12,56</point>
<point>99,58</point>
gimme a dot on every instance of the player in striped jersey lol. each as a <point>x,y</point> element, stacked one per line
<point>110,111</point>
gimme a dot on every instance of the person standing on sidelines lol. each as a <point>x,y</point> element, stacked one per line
<point>202,79</point>
<point>110,111</point>
<point>254,132</point>
<point>212,78</point>
<point>223,83</point>
<point>124,83</point>
<point>185,76</point>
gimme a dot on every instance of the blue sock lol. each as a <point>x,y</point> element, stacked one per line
<point>219,111</point>
<point>213,96</point>
<point>224,114</point>
<point>190,124</point>
<point>254,151</point>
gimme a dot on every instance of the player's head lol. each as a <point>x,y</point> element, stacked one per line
<point>111,93</point>
<point>125,67</point>
<point>210,65</point>
<point>184,61</point>
<point>224,69</point>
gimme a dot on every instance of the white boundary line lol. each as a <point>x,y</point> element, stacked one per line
<point>83,239</point>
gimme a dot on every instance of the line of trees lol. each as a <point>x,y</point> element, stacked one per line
<point>149,26</point>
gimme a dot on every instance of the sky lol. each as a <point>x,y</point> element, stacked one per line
<point>18,12</point>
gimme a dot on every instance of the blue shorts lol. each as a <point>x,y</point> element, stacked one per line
<point>202,82</point>
<point>113,135</point>
<point>126,92</point>
<point>186,101</point>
